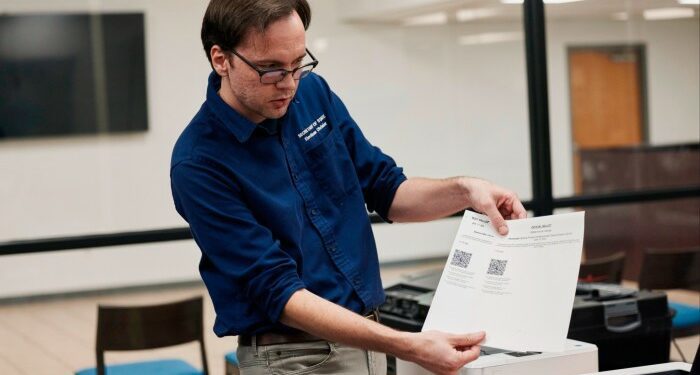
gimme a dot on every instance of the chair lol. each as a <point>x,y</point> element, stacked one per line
<point>231,363</point>
<point>603,270</point>
<point>675,269</point>
<point>149,327</point>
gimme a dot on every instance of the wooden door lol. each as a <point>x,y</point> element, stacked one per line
<point>606,100</point>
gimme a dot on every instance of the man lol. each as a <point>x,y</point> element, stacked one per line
<point>273,176</point>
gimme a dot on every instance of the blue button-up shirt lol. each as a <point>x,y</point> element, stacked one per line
<point>280,206</point>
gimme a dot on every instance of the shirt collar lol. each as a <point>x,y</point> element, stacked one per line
<point>240,126</point>
<point>270,126</point>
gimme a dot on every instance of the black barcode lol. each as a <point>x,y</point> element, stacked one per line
<point>497,267</point>
<point>461,259</point>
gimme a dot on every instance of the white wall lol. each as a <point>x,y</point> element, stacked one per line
<point>104,184</point>
<point>439,108</point>
<point>110,183</point>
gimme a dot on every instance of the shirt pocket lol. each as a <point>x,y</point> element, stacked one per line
<point>332,167</point>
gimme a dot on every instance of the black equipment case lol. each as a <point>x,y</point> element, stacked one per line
<point>631,328</point>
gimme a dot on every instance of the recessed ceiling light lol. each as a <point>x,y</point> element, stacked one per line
<point>464,15</point>
<point>439,18</point>
<point>689,2</point>
<point>668,13</point>
<point>488,38</point>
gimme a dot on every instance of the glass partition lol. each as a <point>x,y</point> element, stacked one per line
<point>440,87</point>
<point>636,227</point>
<point>624,88</point>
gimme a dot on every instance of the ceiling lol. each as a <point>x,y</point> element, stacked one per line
<point>417,12</point>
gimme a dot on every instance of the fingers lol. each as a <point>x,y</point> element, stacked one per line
<point>497,219</point>
<point>470,354</point>
<point>511,207</point>
<point>519,211</point>
<point>469,348</point>
<point>445,353</point>
<point>469,339</point>
<point>497,203</point>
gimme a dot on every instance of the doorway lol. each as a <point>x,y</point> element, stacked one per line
<point>608,101</point>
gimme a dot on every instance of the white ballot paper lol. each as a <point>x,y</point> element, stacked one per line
<point>518,288</point>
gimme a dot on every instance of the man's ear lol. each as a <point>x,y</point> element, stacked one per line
<point>218,60</point>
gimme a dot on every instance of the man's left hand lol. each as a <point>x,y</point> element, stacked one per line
<point>497,203</point>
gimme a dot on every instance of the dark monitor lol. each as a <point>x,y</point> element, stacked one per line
<point>67,74</point>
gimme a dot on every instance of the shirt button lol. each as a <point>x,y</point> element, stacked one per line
<point>295,176</point>
<point>331,248</point>
<point>314,212</point>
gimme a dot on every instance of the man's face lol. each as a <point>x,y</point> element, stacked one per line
<point>281,45</point>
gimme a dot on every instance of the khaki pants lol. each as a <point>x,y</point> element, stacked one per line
<point>316,357</point>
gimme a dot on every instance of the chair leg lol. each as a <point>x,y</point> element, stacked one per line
<point>679,349</point>
<point>232,369</point>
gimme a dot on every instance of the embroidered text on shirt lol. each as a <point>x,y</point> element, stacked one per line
<point>313,129</point>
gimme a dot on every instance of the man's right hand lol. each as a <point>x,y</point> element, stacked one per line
<point>443,353</point>
<point>439,352</point>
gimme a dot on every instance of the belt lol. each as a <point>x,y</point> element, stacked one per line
<point>272,338</point>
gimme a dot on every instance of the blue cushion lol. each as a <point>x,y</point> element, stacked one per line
<point>162,367</point>
<point>232,358</point>
<point>686,315</point>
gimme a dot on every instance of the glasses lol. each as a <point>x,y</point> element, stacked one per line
<point>277,75</point>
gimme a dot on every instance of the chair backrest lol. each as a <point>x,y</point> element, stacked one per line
<point>670,269</point>
<point>603,270</point>
<point>149,327</point>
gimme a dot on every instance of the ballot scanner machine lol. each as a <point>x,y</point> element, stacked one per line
<point>407,305</point>
<point>576,358</point>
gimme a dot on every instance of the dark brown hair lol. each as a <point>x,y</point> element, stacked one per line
<point>226,22</point>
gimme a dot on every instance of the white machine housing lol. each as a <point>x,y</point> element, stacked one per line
<point>681,367</point>
<point>576,358</point>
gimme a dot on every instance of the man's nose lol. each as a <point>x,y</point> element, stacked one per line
<point>287,83</point>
